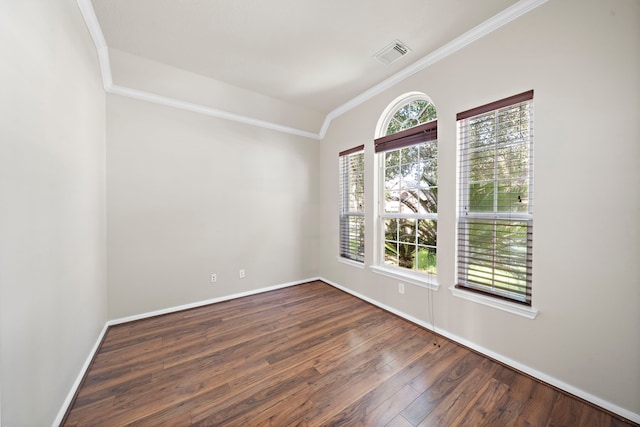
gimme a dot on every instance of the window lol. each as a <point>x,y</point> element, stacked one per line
<point>495,222</point>
<point>352,204</point>
<point>408,159</point>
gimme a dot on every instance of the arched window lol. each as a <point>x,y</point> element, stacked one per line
<point>407,150</point>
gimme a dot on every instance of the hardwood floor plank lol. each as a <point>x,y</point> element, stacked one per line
<point>122,385</point>
<point>336,391</point>
<point>86,415</point>
<point>368,405</point>
<point>483,405</point>
<point>297,405</point>
<point>566,411</point>
<point>256,398</point>
<point>399,421</point>
<point>457,401</point>
<point>447,381</point>
<point>444,359</point>
<point>538,406</point>
<point>307,355</point>
<point>383,413</point>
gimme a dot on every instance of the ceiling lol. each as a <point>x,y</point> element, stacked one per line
<point>313,54</point>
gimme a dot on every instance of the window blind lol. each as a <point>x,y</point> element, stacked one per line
<point>495,222</point>
<point>352,203</point>
<point>415,135</point>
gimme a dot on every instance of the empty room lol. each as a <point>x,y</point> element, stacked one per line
<point>280,212</point>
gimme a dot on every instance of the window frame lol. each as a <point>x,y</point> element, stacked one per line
<point>415,136</point>
<point>498,289</point>
<point>346,214</point>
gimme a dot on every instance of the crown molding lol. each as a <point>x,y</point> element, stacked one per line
<point>201,109</point>
<point>509,14</point>
<point>91,20</point>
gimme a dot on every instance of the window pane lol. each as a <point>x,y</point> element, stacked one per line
<point>406,255</point>
<point>429,162</point>
<point>403,114</point>
<point>429,150</point>
<point>391,229</point>
<point>512,124</point>
<point>416,108</point>
<point>410,175</point>
<point>480,243</point>
<point>513,161</point>
<point>394,127</point>
<point>427,232</point>
<point>513,196</point>
<point>410,155</point>
<point>391,158</point>
<point>391,253</point>
<point>428,200</point>
<point>392,178</point>
<point>391,202</point>
<point>411,123</point>
<point>481,197</point>
<point>482,131</point>
<point>497,255</point>
<point>481,165</point>
<point>426,260</point>
<point>409,204</point>
<point>428,114</point>
<point>356,202</point>
<point>407,230</point>
<point>352,237</point>
<point>428,173</point>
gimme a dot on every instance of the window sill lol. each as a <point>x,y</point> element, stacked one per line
<point>351,262</point>
<point>513,308</point>
<point>429,282</point>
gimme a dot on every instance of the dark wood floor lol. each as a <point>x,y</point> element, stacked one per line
<point>308,355</point>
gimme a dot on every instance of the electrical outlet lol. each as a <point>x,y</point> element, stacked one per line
<point>242,274</point>
<point>401,288</point>
<point>214,278</point>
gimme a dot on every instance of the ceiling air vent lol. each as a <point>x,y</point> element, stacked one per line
<point>392,52</point>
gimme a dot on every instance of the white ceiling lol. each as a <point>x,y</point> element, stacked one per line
<point>314,54</point>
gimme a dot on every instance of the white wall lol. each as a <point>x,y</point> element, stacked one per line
<point>190,195</point>
<point>583,61</point>
<point>52,206</point>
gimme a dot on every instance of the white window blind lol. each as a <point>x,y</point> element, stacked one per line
<point>495,225</point>
<point>352,204</point>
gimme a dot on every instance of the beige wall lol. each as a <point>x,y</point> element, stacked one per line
<point>190,195</point>
<point>583,61</point>
<point>52,206</point>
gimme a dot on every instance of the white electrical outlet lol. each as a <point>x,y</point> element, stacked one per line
<point>214,278</point>
<point>241,274</point>
<point>401,288</point>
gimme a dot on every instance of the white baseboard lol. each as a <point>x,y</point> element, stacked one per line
<point>96,346</point>
<point>79,378</point>
<point>509,362</point>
